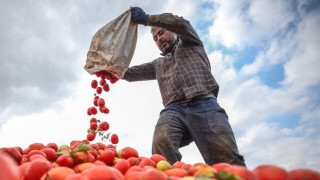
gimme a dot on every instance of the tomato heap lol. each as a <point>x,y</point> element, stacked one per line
<point>98,126</point>
<point>84,160</point>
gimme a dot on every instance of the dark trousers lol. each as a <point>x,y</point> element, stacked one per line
<point>202,121</point>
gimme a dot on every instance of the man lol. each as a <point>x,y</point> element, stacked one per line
<point>189,91</point>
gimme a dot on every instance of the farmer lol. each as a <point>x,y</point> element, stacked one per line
<point>189,93</point>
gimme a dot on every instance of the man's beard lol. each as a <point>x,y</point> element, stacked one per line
<point>171,43</point>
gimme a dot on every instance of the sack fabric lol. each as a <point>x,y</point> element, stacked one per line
<point>113,46</point>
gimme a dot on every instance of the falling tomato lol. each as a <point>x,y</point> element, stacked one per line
<point>114,139</point>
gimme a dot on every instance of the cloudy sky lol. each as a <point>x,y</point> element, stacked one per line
<point>264,54</point>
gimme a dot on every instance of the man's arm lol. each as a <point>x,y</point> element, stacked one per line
<point>167,21</point>
<point>177,25</point>
<point>141,72</point>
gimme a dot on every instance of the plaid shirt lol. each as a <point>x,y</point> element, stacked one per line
<point>183,74</point>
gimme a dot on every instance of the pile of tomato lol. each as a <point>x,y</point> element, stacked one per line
<point>84,160</point>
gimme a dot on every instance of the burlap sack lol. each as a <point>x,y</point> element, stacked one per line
<point>112,47</point>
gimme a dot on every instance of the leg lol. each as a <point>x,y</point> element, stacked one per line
<point>168,134</point>
<point>212,133</point>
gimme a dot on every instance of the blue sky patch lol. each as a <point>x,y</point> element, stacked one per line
<point>272,76</point>
<point>284,121</point>
<point>246,56</point>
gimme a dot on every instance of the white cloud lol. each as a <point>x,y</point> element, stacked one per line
<point>271,15</point>
<point>238,24</point>
<point>279,146</point>
<point>230,25</point>
<point>305,60</point>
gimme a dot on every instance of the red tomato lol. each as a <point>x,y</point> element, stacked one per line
<point>93,110</point>
<point>107,156</point>
<point>113,79</point>
<point>95,102</point>
<point>105,110</point>
<point>104,126</point>
<point>98,74</point>
<point>91,136</point>
<point>53,146</point>
<point>103,82</point>
<point>100,102</point>
<point>99,90</point>
<point>94,84</point>
<point>8,167</point>
<point>13,152</point>
<point>114,139</point>
<point>93,125</point>
<point>93,120</point>
<point>108,75</point>
<point>106,88</point>
<point>103,75</point>
<point>89,112</point>
<point>65,160</point>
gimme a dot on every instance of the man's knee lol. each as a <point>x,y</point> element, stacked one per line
<point>160,141</point>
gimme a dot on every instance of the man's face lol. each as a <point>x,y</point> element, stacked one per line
<point>164,39</point>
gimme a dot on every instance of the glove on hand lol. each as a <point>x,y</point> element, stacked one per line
<point>138,15</point>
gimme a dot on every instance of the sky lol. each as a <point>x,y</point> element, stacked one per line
<point>263,53</point>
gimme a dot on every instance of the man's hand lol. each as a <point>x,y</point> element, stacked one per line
<point>139,16</point>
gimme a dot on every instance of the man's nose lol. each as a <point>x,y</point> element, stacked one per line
<point>160,39</point>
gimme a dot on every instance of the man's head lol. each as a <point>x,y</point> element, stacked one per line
<point>164,39</point>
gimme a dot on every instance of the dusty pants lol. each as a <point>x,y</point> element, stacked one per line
<point>202,121</point>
